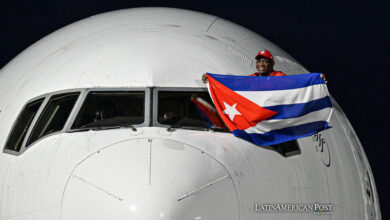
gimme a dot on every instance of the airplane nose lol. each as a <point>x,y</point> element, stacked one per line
<point>149,179</point>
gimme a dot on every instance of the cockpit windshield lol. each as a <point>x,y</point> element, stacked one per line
<point>111,108</point>
<point>190,109</point>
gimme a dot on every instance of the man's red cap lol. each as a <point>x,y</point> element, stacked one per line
<point>265,54</point>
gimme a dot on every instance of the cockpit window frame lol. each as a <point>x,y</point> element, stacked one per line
<point>15,123</point>
<point>83,92</point>
<point>169,89</point>
<point>46,97</point>
<point>87,91</point>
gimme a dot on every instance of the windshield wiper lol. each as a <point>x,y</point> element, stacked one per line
<point>105,127</point>
<point>171,127</point>
<point>218,129</point>
<point>79,130</point>
<point>94,128</point>
<point>99,128</point>
<point>128,125</point>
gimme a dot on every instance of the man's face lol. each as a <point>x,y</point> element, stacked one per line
<point>264,65</point>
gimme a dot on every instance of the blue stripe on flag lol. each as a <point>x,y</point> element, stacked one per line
<point>268,83</point>
<point>298,110</point>
<point>282,135</point>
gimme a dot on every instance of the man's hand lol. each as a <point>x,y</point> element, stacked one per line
<point>204,78</point>
<point>324,78</point>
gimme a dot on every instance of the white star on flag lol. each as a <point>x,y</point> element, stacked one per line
<point>231,110</point>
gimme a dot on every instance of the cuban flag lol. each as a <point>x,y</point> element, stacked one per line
<point>271,110</point>
<point>207,112</point>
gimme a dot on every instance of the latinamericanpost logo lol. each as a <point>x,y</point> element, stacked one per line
<point>316,208</point>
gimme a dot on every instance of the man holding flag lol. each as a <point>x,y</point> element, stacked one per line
<point>270,110</point>
<point>265,66</point>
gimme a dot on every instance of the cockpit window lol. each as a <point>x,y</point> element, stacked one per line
<point>111,108</point>
<point>20,129</point>
<point>54,116</point>
<point>193,109</point>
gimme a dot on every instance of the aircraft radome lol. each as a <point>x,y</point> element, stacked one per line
<point>97,122</point>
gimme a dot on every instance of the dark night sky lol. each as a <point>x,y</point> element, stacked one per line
<point>348,41</point>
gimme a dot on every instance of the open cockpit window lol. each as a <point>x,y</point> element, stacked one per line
<point>187,109</point>
<point>54,116</point>
<point>105,109</point>
<point>22,125</point>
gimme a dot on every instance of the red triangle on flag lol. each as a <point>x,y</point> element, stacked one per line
<point>235,110</point>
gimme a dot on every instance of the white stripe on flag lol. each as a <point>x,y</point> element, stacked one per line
<point>275,124</point>
<point>286,97</point>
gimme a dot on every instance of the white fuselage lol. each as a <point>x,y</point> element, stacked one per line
<point>154,172</point>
